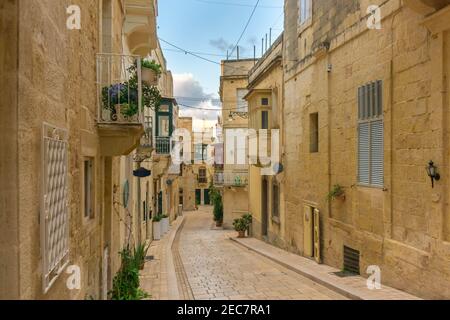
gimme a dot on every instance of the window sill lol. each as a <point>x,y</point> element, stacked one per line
<point>303,26</point>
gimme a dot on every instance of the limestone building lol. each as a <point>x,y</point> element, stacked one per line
<point>234,180</point>
<point>365,110</point>
<point>66,141</point>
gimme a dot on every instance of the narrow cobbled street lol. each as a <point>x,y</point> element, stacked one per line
<point>218,268</point>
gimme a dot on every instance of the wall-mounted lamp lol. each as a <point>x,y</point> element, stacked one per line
<point>432,173</point>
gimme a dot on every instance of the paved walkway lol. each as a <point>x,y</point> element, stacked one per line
<point>354,287</point>
<point>218,268</point>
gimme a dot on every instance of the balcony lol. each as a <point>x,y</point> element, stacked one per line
<point>163,146</point>
<point>235,179</point>
<point>218,179</point>
<point>140,26</point>
<point>119,95</point>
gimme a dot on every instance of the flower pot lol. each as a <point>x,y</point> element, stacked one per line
<point>165,225</point>
<point>241,234</point>
<point>149,76</point>
<point>219,224</point>
<point>156,230</point>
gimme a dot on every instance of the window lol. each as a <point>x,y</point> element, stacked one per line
<point>164,126</point>
<point>264,119</point>
<point>265,101</point>
<point>201,152</point>
<point>314,132</point>
<point>242,105</point>
<point>305,10</point>
<point>88,188</point>
<point>54,213</point>
<point>275,200</point>
<point>202,175</point>
<point>181,198</point>
<point>371,135</point>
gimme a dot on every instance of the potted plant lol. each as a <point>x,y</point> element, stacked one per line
<point>337,193</point>
<point>164,223</point>
<point>157,227</point>
<point>121,100</point>
<point>216,199</point>
<point>150,72</point>
<point>248,218</point>
<point>241,226</point>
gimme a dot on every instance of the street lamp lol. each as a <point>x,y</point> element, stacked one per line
<point>432,173</point>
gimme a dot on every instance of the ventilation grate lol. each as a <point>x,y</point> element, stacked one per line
<point>351,260</point>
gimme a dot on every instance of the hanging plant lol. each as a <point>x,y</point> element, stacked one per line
<point>336,193</point>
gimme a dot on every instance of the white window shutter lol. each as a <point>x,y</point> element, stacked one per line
<point>377,153</point>
<point>54,204</point>
<point>364,153</point>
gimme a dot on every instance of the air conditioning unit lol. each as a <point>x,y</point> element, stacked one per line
<point>311,233</point>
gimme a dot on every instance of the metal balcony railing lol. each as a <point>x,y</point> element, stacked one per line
<point>163,145</point>
<point>119,89</point>
<point>218,179</point>
<point>147,139</point>
<point>231,179</point>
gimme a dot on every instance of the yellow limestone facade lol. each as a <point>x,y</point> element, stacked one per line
<point>265,101</point>
<point>401,225</point>
<point>233,88</point>
<point>49,90</point>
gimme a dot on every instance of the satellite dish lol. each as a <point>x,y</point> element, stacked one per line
<point>169,182</point>
<point>278,168</point>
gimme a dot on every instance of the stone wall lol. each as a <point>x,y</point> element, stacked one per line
<point>402,227</point>
<point>9,249</point>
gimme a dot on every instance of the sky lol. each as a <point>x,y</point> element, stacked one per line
<point>210,27</point>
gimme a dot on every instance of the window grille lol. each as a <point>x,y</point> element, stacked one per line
<point>54,216</point>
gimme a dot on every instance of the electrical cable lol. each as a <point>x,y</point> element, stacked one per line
<point>245,28</point>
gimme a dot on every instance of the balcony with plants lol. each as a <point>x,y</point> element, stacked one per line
<point>126,95</point>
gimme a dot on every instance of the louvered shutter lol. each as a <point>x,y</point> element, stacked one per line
<point>364,153</point>
<point>377,153</point>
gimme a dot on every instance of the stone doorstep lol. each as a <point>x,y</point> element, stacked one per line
<point>352,287</point>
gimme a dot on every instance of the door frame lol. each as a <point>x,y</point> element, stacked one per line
<point>264,207</point>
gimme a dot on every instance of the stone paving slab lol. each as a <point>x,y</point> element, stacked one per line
<point>351,287</point>
<point>159,276</point>
<point>218,268</point>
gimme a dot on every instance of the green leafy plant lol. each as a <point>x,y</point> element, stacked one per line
<point>140,253</point>
<point>240,225</point>
<point>248,218</point>
<point>336,192</point>
<point>164,216</point>
<point>152,65</point>
<point>216,200</point>
<point>157,218</point>
<point>126,285</point>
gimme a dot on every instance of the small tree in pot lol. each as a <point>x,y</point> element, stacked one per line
<point>216,199</point>
<point>241,225</point>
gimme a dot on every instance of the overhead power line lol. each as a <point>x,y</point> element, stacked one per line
<point>246,26</point>
<point>236,4</point>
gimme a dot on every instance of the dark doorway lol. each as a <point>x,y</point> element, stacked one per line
<point>198,197</point>
<point>207,200</point>
<point>160,203</point>
<point>264,207</point>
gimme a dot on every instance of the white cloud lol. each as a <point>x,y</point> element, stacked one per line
<point>189,92</point>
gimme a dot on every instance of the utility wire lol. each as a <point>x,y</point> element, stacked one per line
<point>236,4</point>
<point>245,28</point>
